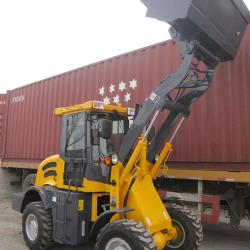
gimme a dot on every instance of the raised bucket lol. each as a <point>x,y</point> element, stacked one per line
<point>219,25</point>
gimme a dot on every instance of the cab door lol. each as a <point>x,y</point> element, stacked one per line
<point>73,148</point>
<point>98,147</point>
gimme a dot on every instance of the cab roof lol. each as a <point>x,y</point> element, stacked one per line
<point>94,106</point>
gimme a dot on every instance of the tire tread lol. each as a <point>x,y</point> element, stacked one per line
<point>193,219</point>
<point>137,229</point>
<point>46,240</point>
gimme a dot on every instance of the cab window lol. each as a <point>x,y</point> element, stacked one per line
<point>101,146</point>
<point>118,127</point>
<point>75,136</point>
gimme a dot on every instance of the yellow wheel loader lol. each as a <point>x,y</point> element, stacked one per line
<point>100,187</point>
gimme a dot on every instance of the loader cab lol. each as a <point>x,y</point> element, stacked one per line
<point>89,141</point>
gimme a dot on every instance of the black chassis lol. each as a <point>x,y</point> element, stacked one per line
<point>76,226</point>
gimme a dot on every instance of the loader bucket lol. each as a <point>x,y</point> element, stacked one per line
<point>219,25</point>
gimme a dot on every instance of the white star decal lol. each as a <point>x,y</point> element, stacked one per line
<point>112,88</point>
<point>116,99</point>
<point>106,100</point>
<point>101,91</point>
<point>122,86</point>
<point>133,84</point>
<point>127,97</point>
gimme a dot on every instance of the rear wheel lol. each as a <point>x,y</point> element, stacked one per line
<point>125,235</point>
<point>29,181</point>
<point>37,226</point>
<point>188,227</point>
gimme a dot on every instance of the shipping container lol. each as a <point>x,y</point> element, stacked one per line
<point>213,145</point>
<point>214,136</point>
<point>33,130</point>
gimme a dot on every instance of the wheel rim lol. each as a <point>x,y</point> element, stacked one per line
<point>31,227</point>
<point>117,244</point>
<point>181,235</point>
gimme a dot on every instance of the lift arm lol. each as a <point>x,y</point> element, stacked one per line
<point>201,48</point>
<point>160,99</point>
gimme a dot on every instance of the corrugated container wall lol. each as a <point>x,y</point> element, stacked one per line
<point>33,130</point>
<point>215,132</point>
<point>2,114</point>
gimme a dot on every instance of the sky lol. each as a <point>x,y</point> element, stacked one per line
<point>42,38</point>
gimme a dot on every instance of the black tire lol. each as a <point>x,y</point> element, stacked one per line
<point>188,225</point>
<point>44,238</point>
<point>29,181</point>
<point>136,236</point>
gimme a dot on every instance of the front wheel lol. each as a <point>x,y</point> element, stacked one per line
<point>37,226</point>
<point>188,227</point>
<point>125,235</point>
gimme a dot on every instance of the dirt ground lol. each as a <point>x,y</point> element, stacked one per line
<point>217,237</point>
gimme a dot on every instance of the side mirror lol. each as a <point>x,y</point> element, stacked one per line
<point>106,128</point>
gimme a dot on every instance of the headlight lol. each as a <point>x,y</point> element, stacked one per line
<point>114,159</point>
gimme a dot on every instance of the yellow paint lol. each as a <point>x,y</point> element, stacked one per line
<point>143,197</point>
<point>145,201</point>
<point>88,186</point>
<point>40,179</point>
<point>81,205</point>
<point>164,155</point>
<point>209,175</point>
<point>90,106</point>
<point>161,238</point>
<point>132,162</point>
<point>115,188</point>
<point>94,206</point>
<point>134,181</point>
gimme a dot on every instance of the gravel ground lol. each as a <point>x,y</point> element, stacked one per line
<point>217,237</point>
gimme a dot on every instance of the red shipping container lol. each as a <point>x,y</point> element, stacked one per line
<point>215,134</point>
